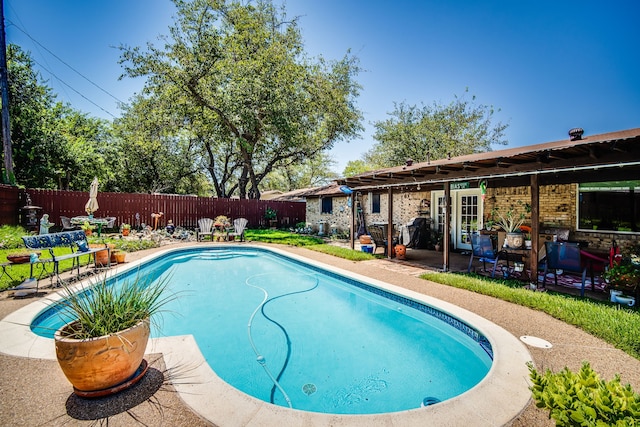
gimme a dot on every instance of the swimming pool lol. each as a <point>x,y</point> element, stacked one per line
<point>305,338</point>
<point>216,401</point>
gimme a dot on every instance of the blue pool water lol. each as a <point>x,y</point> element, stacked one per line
<point>301,337</point>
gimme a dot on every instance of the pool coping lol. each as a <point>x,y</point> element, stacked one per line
<point>496,400</point>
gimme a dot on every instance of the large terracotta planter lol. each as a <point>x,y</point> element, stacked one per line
<point>100,363</point>
<point>102,257</point>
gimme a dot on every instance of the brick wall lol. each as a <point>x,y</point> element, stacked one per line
<point>557,203</point>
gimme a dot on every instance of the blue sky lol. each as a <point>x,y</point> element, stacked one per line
<point>547,65</point>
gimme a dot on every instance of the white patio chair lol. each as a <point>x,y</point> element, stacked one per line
<point>205,228</point>
<point>239,225</point>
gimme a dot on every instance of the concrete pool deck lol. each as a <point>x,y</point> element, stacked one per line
<point>34,391</point>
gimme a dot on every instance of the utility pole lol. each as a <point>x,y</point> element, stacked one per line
<point>8,176</point>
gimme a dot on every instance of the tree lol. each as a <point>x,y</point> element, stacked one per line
<point>54,146</point>
<point>356,167</point>
<point>434,132</point>
<point>310,173</point>
<point>265,104</point>
<point>159,154</point>
<point>35,143</point>
<point>86,150</point>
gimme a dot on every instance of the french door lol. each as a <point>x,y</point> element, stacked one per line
<point>466,210</point>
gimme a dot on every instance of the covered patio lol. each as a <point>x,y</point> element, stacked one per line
<point>590,159</point>
<point>419,261</point>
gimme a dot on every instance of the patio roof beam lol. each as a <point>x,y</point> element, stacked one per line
<point>613,167</point>
<point>551,155</point>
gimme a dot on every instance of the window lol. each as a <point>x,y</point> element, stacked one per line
<point>609,206</point>
<point>327,205</point>
<point>375,203</point>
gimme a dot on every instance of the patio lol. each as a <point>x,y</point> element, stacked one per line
<point>35,392</point>
<point>422,260</point>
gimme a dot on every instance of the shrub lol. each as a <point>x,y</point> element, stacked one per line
<point>11,237</point>
<point>583,399</point>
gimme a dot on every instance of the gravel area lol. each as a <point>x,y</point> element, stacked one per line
<point>34,392</point>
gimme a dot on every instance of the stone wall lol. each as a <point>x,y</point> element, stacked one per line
<point>338,219</point>
<point>557,210</point>
<point>406,205</point>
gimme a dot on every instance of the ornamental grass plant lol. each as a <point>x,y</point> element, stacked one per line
<point>106,308</point>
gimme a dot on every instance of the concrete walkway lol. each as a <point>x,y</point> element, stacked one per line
<point>35,392</point>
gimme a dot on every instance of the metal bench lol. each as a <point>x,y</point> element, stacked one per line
<point>76,241</point>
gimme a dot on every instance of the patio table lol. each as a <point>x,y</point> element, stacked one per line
<point>99,222</point>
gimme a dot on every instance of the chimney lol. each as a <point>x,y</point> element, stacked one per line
<point>575,134</point>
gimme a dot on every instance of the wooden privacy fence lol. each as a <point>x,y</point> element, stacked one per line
<point>136,209</point>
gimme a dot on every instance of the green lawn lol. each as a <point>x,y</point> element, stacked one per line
<point>610,322</point>
<point>11,243</point>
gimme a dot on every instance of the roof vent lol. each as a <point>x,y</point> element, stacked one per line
<point>576,134</point>
<point>409,162</point>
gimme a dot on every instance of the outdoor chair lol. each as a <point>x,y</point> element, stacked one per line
<point>66,224</point>
<point>568,257</point>
<point>205,228</point>
<point>239,225</point>
<point>482,249</point>
<point>379,239</point>
<point>111,221</point>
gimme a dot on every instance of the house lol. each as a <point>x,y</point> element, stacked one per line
<point>588,185</point>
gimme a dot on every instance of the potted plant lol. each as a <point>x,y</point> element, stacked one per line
<point>271,216</point>
<point>623,279</point>
<point>437,241</point>
<point>103,344</point>
<point>125,229</point>
<point>511,221</point>
<point>118,256</point>
<point>220,225</point>
<point>87,228</point>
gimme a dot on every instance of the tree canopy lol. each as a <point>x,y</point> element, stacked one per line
<point>53,145</point>
<point>434,132</point>
<point>248,95</point>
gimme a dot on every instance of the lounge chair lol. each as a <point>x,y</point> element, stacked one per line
<point>205,228</point>
<point>239,224</point>
<point>482,249</point>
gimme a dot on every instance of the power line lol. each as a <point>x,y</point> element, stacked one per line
<point>65,63</point>
<point>63,89</point>
<point>72,88</point>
